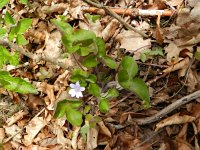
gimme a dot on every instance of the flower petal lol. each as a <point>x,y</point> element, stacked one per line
<point>72,92</point>
<point>79,94</point>
<point>82,89</point>
<point>77,84</point>
<point>72,85</point>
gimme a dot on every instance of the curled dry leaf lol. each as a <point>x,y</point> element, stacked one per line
<point>110,29</point>
<point>175,119</point>
<point>17,116</point>
<point>61,81</point>
<point>75,137</point>
<point>104,129</point>
<point>180,65</point>
<point>12,131</point>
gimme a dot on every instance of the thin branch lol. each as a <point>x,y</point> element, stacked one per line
<point>116,16</point>
<point>169,108</point>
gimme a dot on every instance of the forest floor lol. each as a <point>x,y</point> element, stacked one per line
<point>161,35</point>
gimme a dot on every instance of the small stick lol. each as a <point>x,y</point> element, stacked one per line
<point>129,11</point>
<point>168,109</point>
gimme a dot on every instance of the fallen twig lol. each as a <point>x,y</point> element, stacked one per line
<point>116,16</point>
<point>168,109</point>
<point>129,11</point>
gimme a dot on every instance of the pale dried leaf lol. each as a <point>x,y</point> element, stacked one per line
<point>192,81</point>
<point>53,49</point>
<point>17,116</point>
<point>33,128</point>
<point>133,43</point>
<point>194,14</point>
<point>175,119</point>
<point>174,2</point>
<point>12,131</point>
<point>92,136</point>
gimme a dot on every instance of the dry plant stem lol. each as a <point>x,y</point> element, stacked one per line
<point>169,108</point>
<point>116,16</point>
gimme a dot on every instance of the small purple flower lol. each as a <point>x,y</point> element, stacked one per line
<point>76,90</point>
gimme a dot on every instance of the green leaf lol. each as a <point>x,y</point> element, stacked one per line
<point>16,84</point>
<point>12,34</point>
<point>9,20</point>
<point>94,89</point>
<point>110,62</point>
<point>100,45</point>
<point>21,40</point>
<point>93,18</point>
<point>104,105</point>
<point>90,61</point>
<point>84,130</point>
<point>139,88</point>
<point>78,75</point>
<point>2,32</point>
<point>129,64</point>
<point>4,56</point>
<point>143,57</point>
<point>91,78</point>
<point>112,93</point>
<point>74,116</point>
<point>64,27</point>
<point>123,76</point>
<point>14,59</point>
<point>23,25</point>
<point>197,55</point>
<point>60,109</point>
<point>25,2</point>
<point>84,37</point>
<point>3,3</point>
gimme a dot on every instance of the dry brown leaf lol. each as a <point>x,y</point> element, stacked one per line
<point>159,37</point>
<point>180,65</point>
<point>33,128</point>
<point>103,129</point>
<point>133,43</point>
<point>17,116</point>
<point>194,14</point>
<point>172,51</point>
<point>175,119</point>
<point>192,81</point>
<point>61,81</point>
<point>174,2</point>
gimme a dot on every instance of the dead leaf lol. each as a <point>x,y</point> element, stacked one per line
<point>110,29</point>
<point>17,116</point>
<point>13,130</point>
<point>61,81</point>
<point>175,119</point>
<point>2,134</point>
<point>180,65</point>
<point>32,129</point>
<point>92,137</point>
<point>133,43</point>
<point>75,137</point>
<point>103,129</point>
<point>159,37</point>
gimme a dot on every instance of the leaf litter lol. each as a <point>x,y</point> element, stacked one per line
<point>27,120</point>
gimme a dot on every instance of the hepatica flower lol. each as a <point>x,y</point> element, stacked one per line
<point>76,90</point>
